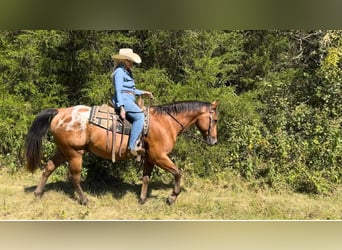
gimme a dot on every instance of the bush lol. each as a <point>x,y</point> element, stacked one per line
<point>279,93</point>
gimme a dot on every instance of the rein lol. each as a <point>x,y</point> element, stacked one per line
<point>183,127</point>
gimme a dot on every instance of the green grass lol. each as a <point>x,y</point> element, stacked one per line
<point>231,198</point>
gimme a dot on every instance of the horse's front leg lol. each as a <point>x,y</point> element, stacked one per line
<point>168,165</point>
<point>50,167</point>
<point>148,167</point>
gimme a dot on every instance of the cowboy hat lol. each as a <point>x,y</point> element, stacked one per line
<point>127,54</point>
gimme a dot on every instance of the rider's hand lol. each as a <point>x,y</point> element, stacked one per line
<point>149,94</point>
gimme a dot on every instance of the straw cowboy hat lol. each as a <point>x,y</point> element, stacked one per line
<point>127,54</point>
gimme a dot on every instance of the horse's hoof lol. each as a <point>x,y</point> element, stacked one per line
<point>171,199</point>
<point>142,201</point>
<point>84,201</point>
<point>38,194</point>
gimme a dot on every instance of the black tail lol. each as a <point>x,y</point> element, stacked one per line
<point>35,136</point>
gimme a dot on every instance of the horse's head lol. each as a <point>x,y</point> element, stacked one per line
<point>207,124</point>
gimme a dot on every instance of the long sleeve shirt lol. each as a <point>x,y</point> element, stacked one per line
<point>123,82</point>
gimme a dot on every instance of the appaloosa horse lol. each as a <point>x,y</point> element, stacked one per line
<point>73,135</point>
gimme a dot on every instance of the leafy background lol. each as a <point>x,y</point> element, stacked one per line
<point>279,92</point>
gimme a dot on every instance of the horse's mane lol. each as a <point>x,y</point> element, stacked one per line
<point>180,107</point>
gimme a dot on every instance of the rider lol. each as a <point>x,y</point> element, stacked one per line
<point>125,92</point>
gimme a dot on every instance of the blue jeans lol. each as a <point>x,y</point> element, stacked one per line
<point>136,116</point>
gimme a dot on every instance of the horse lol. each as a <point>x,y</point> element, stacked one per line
<point>74,135</point>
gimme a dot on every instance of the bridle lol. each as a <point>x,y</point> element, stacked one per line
<point>211,111</point>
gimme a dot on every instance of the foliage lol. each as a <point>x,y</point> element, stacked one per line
<point>279,93</point>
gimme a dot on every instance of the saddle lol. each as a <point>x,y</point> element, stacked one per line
<point>108,118</point>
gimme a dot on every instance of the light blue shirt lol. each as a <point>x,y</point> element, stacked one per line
<point>123,82</point>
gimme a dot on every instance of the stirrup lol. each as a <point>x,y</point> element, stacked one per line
<point>138,150</point>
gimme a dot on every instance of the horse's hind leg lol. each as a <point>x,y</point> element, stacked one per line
<point>75,166</point>
<point>50,167</point>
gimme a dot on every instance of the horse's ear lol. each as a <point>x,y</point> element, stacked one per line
<point>214,104</point>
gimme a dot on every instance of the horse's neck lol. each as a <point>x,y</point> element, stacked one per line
<point>185,120</point>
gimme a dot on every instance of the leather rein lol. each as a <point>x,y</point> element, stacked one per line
<point>183,127</point>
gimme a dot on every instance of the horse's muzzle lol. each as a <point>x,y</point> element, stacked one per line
<point>211,140</point>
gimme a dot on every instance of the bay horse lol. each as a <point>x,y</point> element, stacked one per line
<point>74,135</point>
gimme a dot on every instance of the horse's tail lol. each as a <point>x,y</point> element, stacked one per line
<point>33,142</point>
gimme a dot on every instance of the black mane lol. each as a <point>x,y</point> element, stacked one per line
<point>180,107</point>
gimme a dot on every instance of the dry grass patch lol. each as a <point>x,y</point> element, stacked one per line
<point>201,199</point>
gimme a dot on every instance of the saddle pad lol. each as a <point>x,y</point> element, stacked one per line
<point>103,116</point>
